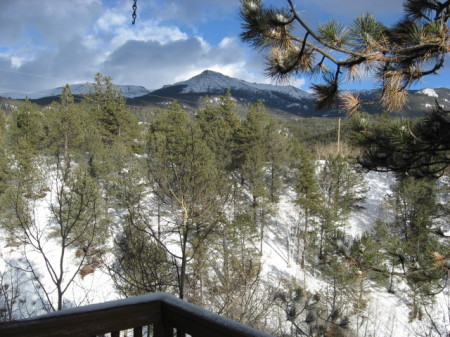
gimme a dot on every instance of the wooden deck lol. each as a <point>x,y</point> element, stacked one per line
<point>158,315</point>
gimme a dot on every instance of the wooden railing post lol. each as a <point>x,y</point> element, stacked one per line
<point>160,330</point>
<point>137,332</point>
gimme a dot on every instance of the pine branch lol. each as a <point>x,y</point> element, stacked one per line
<point>413,48</point>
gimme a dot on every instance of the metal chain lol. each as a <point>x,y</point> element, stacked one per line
<point>134,11</point>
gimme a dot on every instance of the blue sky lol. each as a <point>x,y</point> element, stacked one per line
<point>47,43</point>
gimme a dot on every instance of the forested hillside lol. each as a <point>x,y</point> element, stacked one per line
<point>91,195</point>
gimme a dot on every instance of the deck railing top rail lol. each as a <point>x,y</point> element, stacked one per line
<point>162,311</point>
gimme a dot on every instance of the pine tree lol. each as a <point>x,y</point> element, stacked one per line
<point>418,148</point>
<point>65,124</point>
<point>27,135</point>
<point>218,125</point>
<point>368,254</point>
<point>251,160</point>
<point>27,126</point>
<point>233,283</point>
<point>3,152</point>
<point>108,108</point>
<point>111,132</point>
<point>185,178</point>
<point>416,207</point>
<point>408,247</point>
<point>342,188</point>
<point>308,196</point>
<point>308,314</point>
<point>141,264</point>
<point>26,144</point>
<point>278,156</point>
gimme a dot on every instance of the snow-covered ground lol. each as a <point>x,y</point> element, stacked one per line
<point>17,260</point>
<point>386,314</point>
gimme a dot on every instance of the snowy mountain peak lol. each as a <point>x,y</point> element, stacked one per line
<point>214,82</point>
<point>208,81</point>
<point>210,73</point>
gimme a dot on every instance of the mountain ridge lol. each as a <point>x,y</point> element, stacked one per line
<point>288,101</point>
<point>129,91</point>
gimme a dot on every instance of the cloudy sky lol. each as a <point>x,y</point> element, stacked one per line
<point>47,43</point>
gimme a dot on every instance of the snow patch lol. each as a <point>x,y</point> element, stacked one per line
<point>428,92</point>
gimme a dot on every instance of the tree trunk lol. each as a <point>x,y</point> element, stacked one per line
<point>183,265</point>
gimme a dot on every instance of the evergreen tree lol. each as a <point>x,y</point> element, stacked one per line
<point>415,206</point>
<point>108,108</point>
<point>65,124</point>
<point>308,315</point>
<point>234,279</point>
<point>112,133</point>
<point>345,288</point>
<point>26,143</point>
<point>341,185</point>
<point>218,125</point>
<point>407,147</point>
<point>278,157</point>
<point>27,135</point>
<point>3,152</point>
<point>141,264</point>
<point>251,158</point>
<point>408,247</point>
<point>186,179</point>
<point>308,196</point>
<point>367,252</point>
<point>28,126</point>
<point>342,188</point>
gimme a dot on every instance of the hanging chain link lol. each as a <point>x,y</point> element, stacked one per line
<point>134,11</point>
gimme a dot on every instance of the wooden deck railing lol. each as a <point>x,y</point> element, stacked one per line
<point>158,315</point>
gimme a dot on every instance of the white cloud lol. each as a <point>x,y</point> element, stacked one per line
<point>113,28</point>
<point>17,61</point>
<point>112,18</point>
<point>147,32</point>
<point>299,83</point>
<point>227,41</point>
